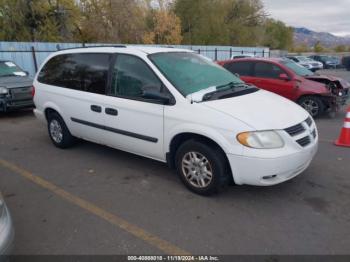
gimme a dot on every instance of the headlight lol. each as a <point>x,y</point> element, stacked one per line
<point>261,139</point>
<point>3,90</point>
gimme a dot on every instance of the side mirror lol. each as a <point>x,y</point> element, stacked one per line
<point>157,96</point>
<point>284,77</point>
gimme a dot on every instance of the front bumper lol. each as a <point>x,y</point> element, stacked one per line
<point>7,234</point>
<point>8,104</point>
<point>336,102</point>
<point>270,171</point>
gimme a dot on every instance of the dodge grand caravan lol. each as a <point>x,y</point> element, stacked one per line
<point>175,106</point>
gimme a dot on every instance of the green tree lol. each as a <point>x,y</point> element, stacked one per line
<point>164,27</point>
<point>278,35</point>
<point>340,49</point>
<point>117,21</point>
<point>318,47</point>
<point>12,21</point>
<point>38,20</point>
<point>224,22</point>
<point>301,48</point>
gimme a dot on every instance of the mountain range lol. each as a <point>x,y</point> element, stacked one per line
<point>310,38</point>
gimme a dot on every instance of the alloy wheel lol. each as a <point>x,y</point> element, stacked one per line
<point>197,169</point>
<point>56,131</point>
<point>311,106</point>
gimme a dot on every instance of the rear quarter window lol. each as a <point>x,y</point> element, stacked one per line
<point>81,71</point>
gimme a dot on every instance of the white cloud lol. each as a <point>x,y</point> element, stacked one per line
<point>320,15</point>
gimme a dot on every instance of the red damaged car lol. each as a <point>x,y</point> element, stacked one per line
<point>316,93</point>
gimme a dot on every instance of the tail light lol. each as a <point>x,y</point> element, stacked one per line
<point>33,91</point>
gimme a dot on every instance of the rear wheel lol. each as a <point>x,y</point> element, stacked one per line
<point>202,168</point>
<point>313,105</point>
<point>58,132</point>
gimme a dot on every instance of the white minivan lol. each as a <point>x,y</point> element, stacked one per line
<point>178,107</point>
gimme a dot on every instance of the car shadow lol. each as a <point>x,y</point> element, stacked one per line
<point>17,114</point>
<point>143,167</point>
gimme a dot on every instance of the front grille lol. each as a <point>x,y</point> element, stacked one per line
<point>295,130</point>
<point>309,121</point>
<point>304,141</point>
<point>314,134</point>
<point>303,133</point>
<point>21,93</point>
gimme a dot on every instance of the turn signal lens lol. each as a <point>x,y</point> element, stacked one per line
<point>261,139</point>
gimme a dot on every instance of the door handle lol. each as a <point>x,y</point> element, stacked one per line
<point>111,111</point>
<point>97,109</point>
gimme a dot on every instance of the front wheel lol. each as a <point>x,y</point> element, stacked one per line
<point>313,105</point>
<point>202,168</point>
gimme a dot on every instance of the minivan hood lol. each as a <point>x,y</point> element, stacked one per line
<point>261,110</point>
<point>16,81</point>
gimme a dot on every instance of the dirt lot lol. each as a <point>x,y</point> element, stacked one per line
<point>95,200</point>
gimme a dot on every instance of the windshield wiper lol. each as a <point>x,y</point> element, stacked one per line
<point>222,88</point>
<point>230,85</point>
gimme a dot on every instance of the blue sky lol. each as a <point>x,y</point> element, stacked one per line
<point>319,15</point>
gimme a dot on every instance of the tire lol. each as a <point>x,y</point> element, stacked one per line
<point>313,105</point>
<point>195,176</point>
<point>58,132</point>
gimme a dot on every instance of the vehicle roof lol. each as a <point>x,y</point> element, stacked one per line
<point>123,49</point>
<point>250,59</point>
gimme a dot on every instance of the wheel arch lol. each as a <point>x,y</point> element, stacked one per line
<point>51,108</point>
<point>325,99</point>
<point>181,138</point>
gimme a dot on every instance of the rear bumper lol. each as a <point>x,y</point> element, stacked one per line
<point>39,115</point>
<point>266,171</point>
<point>318,67</point>
<point>7,234</point>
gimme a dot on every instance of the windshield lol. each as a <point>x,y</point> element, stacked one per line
<point>10,69</point>
<point>328,58</point>
<point>298,69</point>
<point>302,58</point>
<point>191,73</point>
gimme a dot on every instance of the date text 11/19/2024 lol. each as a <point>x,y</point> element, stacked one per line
<point>173,258</point>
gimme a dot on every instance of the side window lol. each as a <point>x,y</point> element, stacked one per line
<point>132,77</point>
<point>267,70</point>
<point>84,72</point>
<point>240,68</point>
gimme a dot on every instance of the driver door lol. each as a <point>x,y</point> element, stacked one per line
<point>267,76</point>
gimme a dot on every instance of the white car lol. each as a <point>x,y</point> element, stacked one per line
<point>307,62</point>
<point>174,106</point>
<point>7,232</point>
<point>242,56</point>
